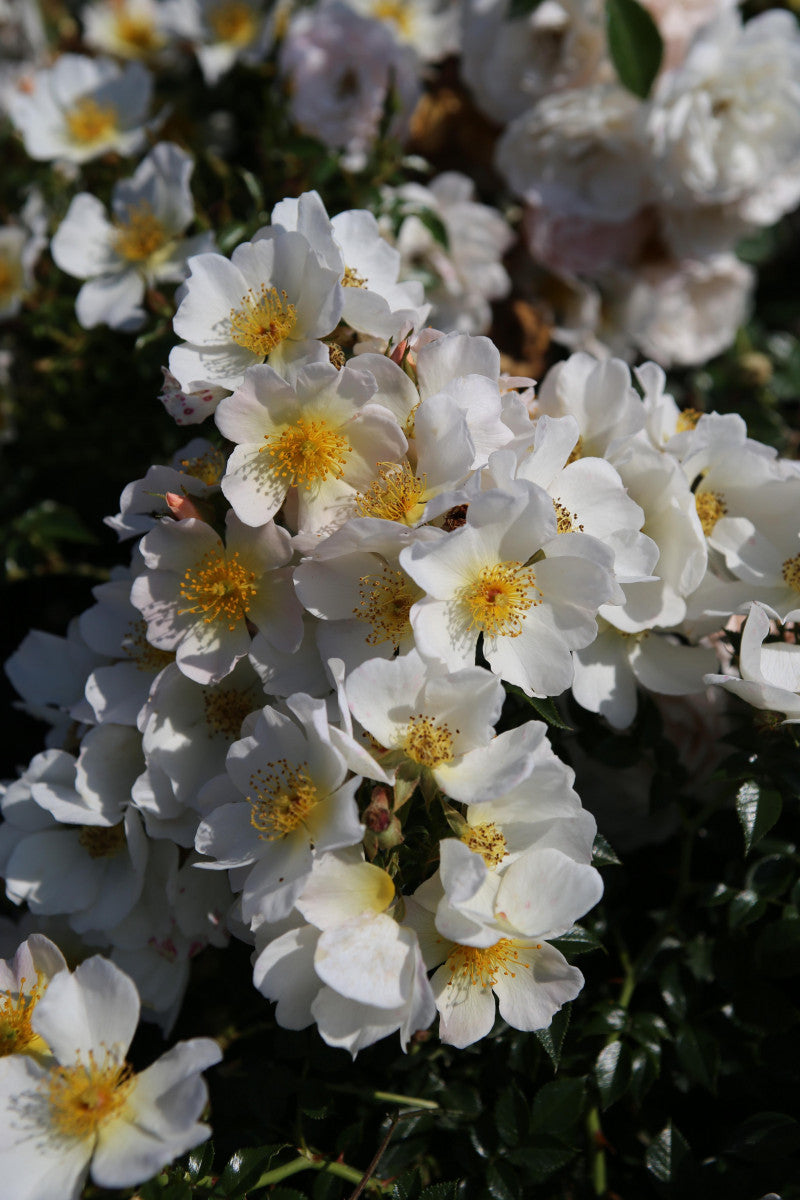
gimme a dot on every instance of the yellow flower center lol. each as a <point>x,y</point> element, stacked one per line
<point>141,235</point>
<point>138,649</point>
<point>566,522</point>
<point>86,1096</point>
<point>352,279</point>
<point>208,468</point>
<point>16,1009</point>
<point>395,495</point>
<point>102,841</point>
<point>283,797</point>
<point>478,967</point>
<point>137,32</point>
<point>308,452</point>
<point>89,122</point>
<point>576,452</point>
<point>234,22</point>
<point>218,588</point>
<point>488,841</point>
<point>386,601</point>
<point>427,742</point>
<point>396,11</point>
<point>687,419</point>
<point>791,572</point>
<point>225,709</point>
<point>710,507</point>
<point>498,601</point>
<point>10,278</point>
<point>264,319</point>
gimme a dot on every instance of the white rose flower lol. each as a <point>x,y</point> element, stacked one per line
<point>221,32</point>
<point>126,28</point>
<point>23,982</point>
<point>769,674</point>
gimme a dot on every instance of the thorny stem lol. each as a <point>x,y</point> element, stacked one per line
<point>378,1156</point>
<point>313,1162</point>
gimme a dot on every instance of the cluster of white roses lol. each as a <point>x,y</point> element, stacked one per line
<point>297,684</point>
<point>69,1102</point>
<point>637,205</point>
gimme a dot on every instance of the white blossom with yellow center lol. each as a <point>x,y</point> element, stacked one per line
<point>507,577</point>
<point>83,107</point>
<point>441,723</point>
<point>88,1113</point>
<point>295,799</point>
<point>315,442</point>
<point>141,246</point>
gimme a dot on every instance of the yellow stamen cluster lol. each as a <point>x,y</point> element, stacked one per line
<point>791,573</point>
<point>140,236</point>
<point>225,709</point>
<point>17,1035</point>
<point>137,32</point>
<point>710,507</point>
<point>86,1096</point>
<point>687,419</point>
<point>427,742</point>
<point>396,11</point>
<point>233,21</point>
<point>10,278</point>
<point>283,796</point>
<point>385,602</point>
<point>480,967</point>
<point>488,841</point>
<point>566,522</point>
<point>102,841</point>
<point>576,452</point>
<point>395,495</point>
<point>88,122</point>
<point>263,320</point>
<point>218,588</point>
<point>351,279</point>
<point>146,657</point>
<point>208,468</point>
<point>308,452</point>
<point>498,601</point>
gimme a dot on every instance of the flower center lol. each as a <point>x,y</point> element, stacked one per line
<point>395,11</point>
<point>264,320</point>
<point>566,522</point>
<point>283,798</point>
<point>102,841</point>
<point>208,468</point>
<point>308,452</point>
<point>233,22</point>
<point>16,1033</point>
<point>687,419</point>
<point>394,496</point>
<point>576,452</point>
<point>10,278</point>
<point>137,32</point>
<point>352,279</point>
<point>482,967</point>
<point>386,601</point>
<point>710,507</point>
<point>88,122</point>
<point>488,841</point>
<point>138,649</point>
<point>225,709</point>
<point>428,743</point>
<point>791,572</point>
<point>218,588</point>
<point>500,598</point>
<point>84,1097</point>
<point>141,235</point>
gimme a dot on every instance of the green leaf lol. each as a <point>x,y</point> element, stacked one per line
<point>602,854</point>
<point>558,1106</point>
<point>635,45</point>
<point>765,1136</point>
<point>245,1168</point>
<point>511,1116</point>
<point>612,1072</point>
<point>698,1054</point>
<point>407,1187</point>
<point>552,1038</point>
<point>200,1161</point>
<point>543,705</point>
<point>575,941</point>
<point>502,1181</point>
<point>540,1161</point>
<point>758,810</point>
<point>668,1155</point>
<point>286,1193</point>
<point>441,1191</point>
